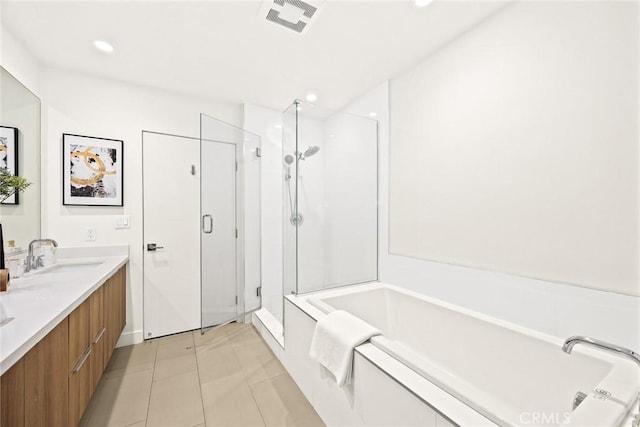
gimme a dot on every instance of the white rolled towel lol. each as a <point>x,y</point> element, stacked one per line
<point>335,337</point>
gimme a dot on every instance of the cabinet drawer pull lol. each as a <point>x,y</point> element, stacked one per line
<point>99,336</point>
<point>83,359</point>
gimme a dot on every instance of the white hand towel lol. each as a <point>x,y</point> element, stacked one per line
<point>334,338</point>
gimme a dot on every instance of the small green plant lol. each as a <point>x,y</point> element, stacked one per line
<point>11,184</point>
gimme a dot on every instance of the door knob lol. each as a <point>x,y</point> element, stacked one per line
<point>152,247</point>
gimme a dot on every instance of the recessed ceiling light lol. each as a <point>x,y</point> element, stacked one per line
<point>423,3</point>
<point>373,114</point>
<point>103,46</point>
<point>312,97</point>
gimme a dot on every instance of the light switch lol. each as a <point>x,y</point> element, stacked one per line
<point>122,221</point>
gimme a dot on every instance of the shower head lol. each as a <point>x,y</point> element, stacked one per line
<point>309,152</point>
<point>288,159</point>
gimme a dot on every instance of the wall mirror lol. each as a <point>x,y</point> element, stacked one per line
<point>20,147</point>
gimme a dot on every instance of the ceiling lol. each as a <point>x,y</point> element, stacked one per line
<point>226,50</point>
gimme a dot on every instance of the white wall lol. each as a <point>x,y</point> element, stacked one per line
<point>557,309</point>
<point>515,147</point>
<point>74,103</point>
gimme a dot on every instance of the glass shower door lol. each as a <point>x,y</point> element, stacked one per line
<point>220,301</point>
<point>230,222</point>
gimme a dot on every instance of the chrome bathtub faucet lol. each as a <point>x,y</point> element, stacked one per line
<point>602,345</point>
<point>32,262</point>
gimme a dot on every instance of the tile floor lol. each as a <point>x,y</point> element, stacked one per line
<point>227,377</point>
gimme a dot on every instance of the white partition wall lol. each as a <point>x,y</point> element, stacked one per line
<point>514,148</point>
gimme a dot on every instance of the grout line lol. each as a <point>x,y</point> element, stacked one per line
<point>255,402</point>
<point>204,413</point>
<point>246,383</point>
<point>155,360</point>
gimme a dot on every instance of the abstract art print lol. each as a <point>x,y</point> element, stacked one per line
<point>9,156</point>
<point>92,171</point>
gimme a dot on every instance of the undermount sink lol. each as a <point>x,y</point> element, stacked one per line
<point>70,267</point>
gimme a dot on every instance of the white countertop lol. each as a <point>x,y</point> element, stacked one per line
<point>39,302</point>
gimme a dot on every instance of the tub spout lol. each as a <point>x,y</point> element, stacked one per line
<point>593,342</point>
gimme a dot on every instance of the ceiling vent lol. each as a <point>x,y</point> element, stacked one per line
<point>292,14</point>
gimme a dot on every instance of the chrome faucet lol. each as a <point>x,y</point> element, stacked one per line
<point>612,348</point>
<point>32,262</point>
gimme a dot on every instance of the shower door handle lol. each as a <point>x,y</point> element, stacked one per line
<point>204,223</point>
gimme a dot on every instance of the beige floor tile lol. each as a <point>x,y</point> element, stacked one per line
<point>122,401</point>
<point>140,424</point>
<point>175,366</point>
<point>176,402</point>
<point>132,359</point>
<point>258,362</point>
<point>217,363</point>
<point>94,400</point>
<point>213,338</point>
<point>281,403</point>
<point>175,346</point>
<point>229,402</point>
<point>243,335</point>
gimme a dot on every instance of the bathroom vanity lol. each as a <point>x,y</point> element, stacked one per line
<point>64,325</point>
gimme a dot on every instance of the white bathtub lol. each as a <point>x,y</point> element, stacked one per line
<point>509,374</point>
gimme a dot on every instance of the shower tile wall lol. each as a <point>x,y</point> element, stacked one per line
<point>311,189</point>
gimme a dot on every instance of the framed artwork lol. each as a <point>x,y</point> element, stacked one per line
<point>9,156</point>
<point>91,171</point>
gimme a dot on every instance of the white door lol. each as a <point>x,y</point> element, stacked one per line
<point>171,185</point>
<point>220,298</point>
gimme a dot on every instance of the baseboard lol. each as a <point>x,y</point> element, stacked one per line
<point>130,338</point>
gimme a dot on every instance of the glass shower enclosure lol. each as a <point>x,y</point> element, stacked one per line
<point>230,222</point>
<point>330,199</point>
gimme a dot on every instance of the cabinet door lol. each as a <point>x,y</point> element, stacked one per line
<point>56,384</point>
<point>79,388</point>
<point>34,387</point>
<point>79,364</point>
<point>12,396</point>
<point>109,316</point>
<point>36,390</point>
<point>114,310</point>
<point>122,300</point>
<point>96,332</point>
<point>79,325</point>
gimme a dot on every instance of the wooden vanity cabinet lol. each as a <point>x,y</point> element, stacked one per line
<point>79,369</point>
<point>35,390</point>
<point>12,413</point>
<point>114,312</point>
<point>97,332</point>
<point>52,384</point>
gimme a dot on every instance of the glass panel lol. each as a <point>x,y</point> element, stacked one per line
<point>331,234</point>
<point>230,222</point>
<point>289,197</point>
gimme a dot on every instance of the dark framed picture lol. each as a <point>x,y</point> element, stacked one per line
<point>9,156</point>
<point>92,171</point>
